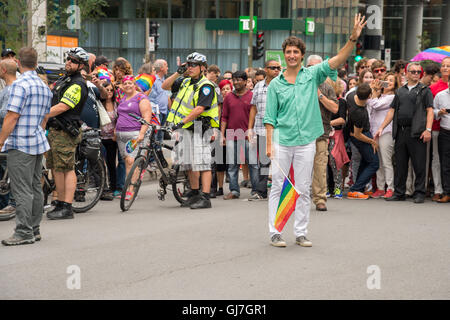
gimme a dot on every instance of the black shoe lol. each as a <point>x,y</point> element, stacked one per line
<point>396,198</point>
<point>219,192</point>
<point>212,194</point>
<point>190,201</point>
<point>419,199</point>
<point>107,196</point>
<point>202,203</point>
<point>57,204</point>
<point>64,213</point>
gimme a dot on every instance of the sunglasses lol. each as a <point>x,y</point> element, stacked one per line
<point>379,70</point>
<point>192,64</point>
<point>73,60</point>
<point>415,72</point>
<point>274,68</point>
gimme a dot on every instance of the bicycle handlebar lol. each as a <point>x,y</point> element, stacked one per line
<point>143,121</point>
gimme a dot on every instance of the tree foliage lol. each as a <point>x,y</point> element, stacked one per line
<point>16,14</point>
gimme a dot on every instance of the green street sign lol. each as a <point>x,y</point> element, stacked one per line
<point>244,24</point>
<point>310,26</point>
<point>276,55</point>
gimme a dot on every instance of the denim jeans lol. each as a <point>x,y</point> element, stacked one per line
<point>234,160</point>
<point>162,121</point>
<point>120,173</point>
<point>369,163</point>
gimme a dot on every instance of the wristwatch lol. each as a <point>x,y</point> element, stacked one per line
<point>429,129</point>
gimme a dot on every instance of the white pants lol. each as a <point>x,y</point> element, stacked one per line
<point>302,159</point>
<point>435,163</point>
<point>385,174</point>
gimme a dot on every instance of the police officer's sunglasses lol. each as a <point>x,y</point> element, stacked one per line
<point>192,64</point>
<point>73,60</point>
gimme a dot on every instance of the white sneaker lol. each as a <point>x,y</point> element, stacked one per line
<point>303,241</point>
<point>277,241</point>
<point>255,197</point>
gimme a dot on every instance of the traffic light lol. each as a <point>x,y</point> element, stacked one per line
<point>258,50</point>
<point>154,32</point>
<point>358,52</point>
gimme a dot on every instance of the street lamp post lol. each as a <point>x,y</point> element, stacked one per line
<point>250,37</point>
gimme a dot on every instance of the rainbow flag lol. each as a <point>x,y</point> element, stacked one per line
<point>103,73</point>
<point>288,200</point>
<point>145,81</point>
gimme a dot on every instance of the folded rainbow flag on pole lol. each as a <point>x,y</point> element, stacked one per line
<point>145,81</point>
<point>288,201</point>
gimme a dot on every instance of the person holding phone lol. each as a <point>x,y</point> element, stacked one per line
<point>383,93</point>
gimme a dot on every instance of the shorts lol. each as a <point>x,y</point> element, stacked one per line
<point>61,156</point>
<point>122,139</point>
<point>193,151</point>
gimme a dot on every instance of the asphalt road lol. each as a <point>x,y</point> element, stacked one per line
<point>361,250</point>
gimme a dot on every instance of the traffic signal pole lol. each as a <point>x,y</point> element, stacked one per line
<point>250,37</point>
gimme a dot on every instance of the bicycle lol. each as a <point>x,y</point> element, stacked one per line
<point>171,178</point>
<point>89,169</point>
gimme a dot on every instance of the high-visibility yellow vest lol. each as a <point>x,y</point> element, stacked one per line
<point>186,100</point>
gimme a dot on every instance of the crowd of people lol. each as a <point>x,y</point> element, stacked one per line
<point>379,133</point>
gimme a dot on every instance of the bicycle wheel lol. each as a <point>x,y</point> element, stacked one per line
<point>133,183</point>
<point>91,176</point>
<point>181,185</point>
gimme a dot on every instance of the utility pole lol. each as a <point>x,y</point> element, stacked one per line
<point>147,35</point>
<point>250,37</point>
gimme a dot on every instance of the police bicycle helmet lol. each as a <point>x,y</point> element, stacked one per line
<point>197,58</point>
<point>80,54</point>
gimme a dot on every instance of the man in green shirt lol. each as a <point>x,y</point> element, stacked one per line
<point>293,122</point>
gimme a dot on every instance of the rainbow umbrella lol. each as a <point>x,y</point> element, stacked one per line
<point>436,54</point>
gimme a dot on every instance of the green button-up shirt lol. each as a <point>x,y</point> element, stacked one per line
<point>293,109</point>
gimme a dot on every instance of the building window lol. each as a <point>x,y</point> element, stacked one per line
<point>205,8</point>
<point>181,8</point>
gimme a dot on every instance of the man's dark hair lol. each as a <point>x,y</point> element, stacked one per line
<point>266,64</point>
<point>400,65</point>
<point>342,73</point>
<point>296,42</point>
<point>361,62</point>
<point>214,68</point>
<point>240,74</point>
<point>363,91</point>
<point>378,64</point>
<point>260,72</point>
<point>28,57</point>
<point>431,69</point>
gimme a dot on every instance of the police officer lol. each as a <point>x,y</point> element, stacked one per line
<point>69,96</point>
<point>195,100</point>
